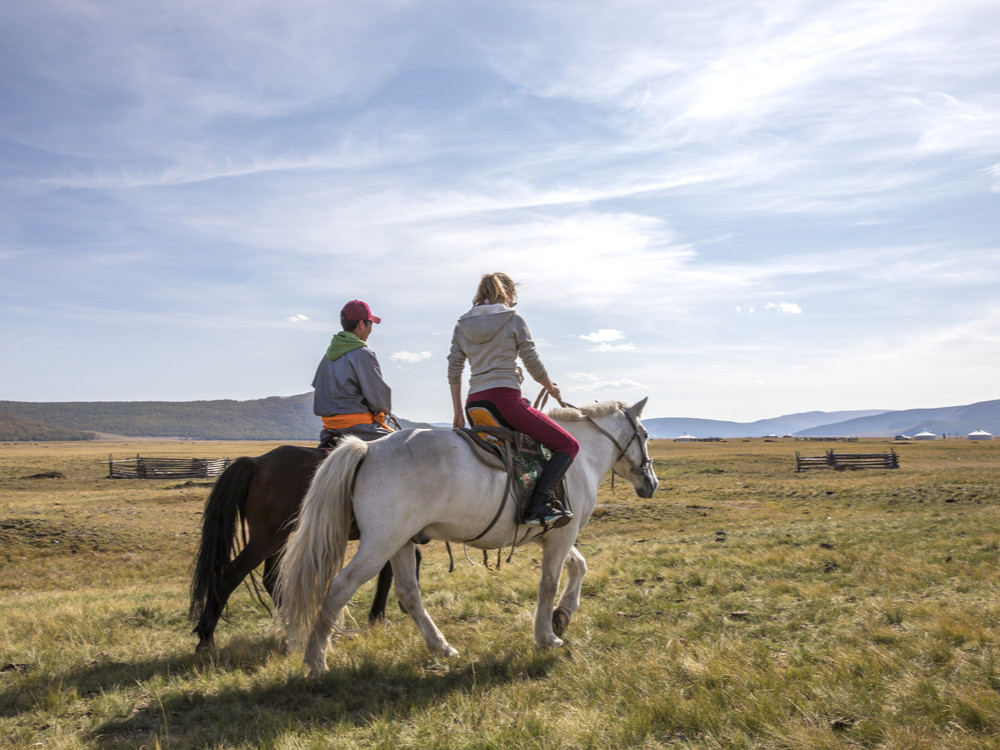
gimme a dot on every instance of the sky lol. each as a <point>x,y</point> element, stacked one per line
<point>738,209</point>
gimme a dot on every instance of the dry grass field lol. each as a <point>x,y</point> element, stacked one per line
<point>744,606</point>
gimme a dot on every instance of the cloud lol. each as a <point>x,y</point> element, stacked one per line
<point>613,348</point>
<point>785,308</point>
<point>603,335</point>
<point>994,171</point>
<point>585,381</point>
<point>298,318</point>
<point>410,358</point>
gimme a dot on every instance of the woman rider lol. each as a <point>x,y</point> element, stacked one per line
<point>491,336</point>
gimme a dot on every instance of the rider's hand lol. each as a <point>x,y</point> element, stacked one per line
<point>459,421</point>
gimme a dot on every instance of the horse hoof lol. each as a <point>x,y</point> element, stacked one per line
<point>205,644</point>
<point>315,670</point>
<point>560,621</point>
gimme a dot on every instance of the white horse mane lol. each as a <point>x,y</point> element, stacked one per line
<point>580,414</point>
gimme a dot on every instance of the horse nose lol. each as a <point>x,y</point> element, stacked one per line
<point>649,487</point>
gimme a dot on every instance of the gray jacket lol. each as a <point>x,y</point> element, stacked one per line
<point>492,337</point>
<point>351,384</point>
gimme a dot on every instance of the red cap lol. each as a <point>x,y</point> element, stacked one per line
<point>358,310</point>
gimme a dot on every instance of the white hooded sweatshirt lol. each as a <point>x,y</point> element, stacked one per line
<point>492,337</point>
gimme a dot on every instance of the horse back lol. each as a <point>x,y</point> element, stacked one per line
<point>429,479</point>
<point>280,480</point>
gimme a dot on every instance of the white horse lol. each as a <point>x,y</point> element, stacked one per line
<point>430,481</point>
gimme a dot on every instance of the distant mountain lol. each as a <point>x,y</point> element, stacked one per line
<point>790,424</point>
<point>291,418</point>
<point>274,418</point>
<point>953,420</point>
<point>17,429</point>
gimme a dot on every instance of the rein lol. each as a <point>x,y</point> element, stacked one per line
<point>543,397</point>
<point>506,458</point>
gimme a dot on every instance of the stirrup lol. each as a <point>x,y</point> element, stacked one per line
<point>555,516</point>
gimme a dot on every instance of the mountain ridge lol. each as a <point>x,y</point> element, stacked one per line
<point>271,418</point>
<point>951,420</point>
<point>291,418</point>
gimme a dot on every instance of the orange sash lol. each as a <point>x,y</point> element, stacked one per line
<point>343,421</point>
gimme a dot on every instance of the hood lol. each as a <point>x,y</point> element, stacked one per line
<point>483,322</point>
<point>342,343</point>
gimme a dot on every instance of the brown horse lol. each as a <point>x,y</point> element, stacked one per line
<point>264,495</point>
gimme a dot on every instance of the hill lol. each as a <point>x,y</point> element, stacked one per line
<point>951,420</point>
<point>291,418</point>
<point>17,429</point>
<point>790,424</point>
<point>274,418</point>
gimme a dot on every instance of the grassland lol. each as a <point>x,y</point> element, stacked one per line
<point>744,606</point>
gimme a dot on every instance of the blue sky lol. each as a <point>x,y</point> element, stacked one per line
<point>739,209</point>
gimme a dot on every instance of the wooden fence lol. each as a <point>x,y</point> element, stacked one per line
<point>848,439</point>
<point>159,468</point>
<point>840,461</point>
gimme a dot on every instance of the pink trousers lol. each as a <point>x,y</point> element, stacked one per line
<point>523,417</point>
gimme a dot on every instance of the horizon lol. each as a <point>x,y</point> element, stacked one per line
<point>733,209</point>
<point>646,417</point>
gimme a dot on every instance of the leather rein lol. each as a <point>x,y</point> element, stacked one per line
<point>641,468</point>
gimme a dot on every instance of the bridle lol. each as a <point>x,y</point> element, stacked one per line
<point>642,468</point>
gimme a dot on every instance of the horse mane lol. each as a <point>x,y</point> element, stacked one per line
<point>582,413</point>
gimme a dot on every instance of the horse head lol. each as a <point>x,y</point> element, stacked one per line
<point>634,465</point>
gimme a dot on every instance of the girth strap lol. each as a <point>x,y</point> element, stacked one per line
<point>496,456</point>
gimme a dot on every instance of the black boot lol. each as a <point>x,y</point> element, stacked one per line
<point>544,509</point>
<point>328,440</point>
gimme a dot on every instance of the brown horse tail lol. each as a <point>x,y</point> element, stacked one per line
<point>218,535</point>
<point>315,551</point>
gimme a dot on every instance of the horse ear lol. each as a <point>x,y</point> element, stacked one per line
<point>636,409</point>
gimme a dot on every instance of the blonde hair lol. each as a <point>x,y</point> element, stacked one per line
<point>494,288</point>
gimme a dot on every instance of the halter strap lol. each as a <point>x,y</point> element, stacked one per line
<point>543,397</point>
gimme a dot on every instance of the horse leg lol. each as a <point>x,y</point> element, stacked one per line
<point>249,558</point>
<point>569,602</point>
<point>556,549</point>
<point>377,612</point>
<point>364,566</point>
<point>270,577</point>
<point>405,565</point>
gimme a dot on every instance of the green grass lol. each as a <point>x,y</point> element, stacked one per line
<point>744,606</point>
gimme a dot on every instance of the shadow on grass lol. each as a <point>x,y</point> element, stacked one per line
<point>258,708</point>
<point>355,696</point>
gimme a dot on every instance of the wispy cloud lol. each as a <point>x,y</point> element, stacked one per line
<point>603,335</point>
<point>584,381</point>
<point>410,358</point>
<point>785,308</point>
<point>205,166</point>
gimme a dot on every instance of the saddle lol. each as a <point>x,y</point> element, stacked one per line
<point>501,447</point>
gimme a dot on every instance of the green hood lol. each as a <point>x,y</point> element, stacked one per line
<point>342,343</point>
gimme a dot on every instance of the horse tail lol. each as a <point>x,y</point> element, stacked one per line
<point>218,534</point>
<point>315,551</point>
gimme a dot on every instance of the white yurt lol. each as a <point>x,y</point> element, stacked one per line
<point>980,435</point>
<point>925,435</point>
<point>685,439</point>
